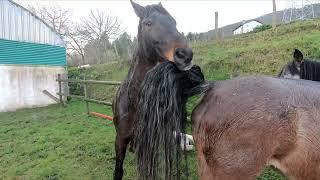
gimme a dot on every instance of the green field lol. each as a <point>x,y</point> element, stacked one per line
<point>58,142</point>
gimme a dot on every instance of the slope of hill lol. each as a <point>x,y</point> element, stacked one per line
<point>252,53</point>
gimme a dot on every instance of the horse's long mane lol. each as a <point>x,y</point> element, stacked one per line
<point>310,70</point>
<point>161,112</point>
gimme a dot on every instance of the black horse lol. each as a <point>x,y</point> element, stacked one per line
<point>300,68</point>
<point>158,41</point>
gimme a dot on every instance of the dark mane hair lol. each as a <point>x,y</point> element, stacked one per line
<point>310,70</point>
<point>162,111</point>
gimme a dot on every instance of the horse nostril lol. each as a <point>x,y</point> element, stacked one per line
<point>188,60</point>
<point>180,54</point>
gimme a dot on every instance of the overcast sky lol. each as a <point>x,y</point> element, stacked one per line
<point>191,16</point>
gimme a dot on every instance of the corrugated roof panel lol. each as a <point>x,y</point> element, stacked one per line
<point>19,24</point>
<point>16,52</point>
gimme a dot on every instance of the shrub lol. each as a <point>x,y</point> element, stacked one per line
<point>262,28</point>
<point>75,88</point>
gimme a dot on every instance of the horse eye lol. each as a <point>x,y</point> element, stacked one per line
<point>148,23</point>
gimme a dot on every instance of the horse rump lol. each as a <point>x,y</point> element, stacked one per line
<point>161,116</point>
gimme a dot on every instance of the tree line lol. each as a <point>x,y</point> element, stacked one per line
<point>89,40</point>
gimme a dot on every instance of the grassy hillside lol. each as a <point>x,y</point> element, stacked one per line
<point>258,53</point>
<point>252,53</point>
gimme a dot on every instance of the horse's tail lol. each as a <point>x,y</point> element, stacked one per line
<point>161,116</point>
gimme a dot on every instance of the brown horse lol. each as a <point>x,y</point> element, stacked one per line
<point>158,41</point>
<point>242,125</point>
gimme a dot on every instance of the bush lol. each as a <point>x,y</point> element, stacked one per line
<point>75,88</point>
<point>262,28</point>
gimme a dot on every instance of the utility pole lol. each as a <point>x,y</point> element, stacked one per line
<point>216,25</point>
<point>274,14</point>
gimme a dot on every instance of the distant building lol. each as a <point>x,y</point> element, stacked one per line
<point>246,26</point>
<point>228,30</point>
<point>32,54</point>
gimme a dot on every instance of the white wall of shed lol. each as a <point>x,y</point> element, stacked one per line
<point>22,86</point>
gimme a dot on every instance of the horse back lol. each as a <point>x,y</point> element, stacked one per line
<point>241,125</point>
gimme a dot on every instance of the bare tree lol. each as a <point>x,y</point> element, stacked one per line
<point>100,24</point>
<point>55,16</point>
<point>98,28</point>
<point>95,30</point>
<point>59,19</point>
<point>76,42</point>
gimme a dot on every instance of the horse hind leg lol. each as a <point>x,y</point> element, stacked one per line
<point>229,159</point>
<point>121,148</point>
<point>303,162</point>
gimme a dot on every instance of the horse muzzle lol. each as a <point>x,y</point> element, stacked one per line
<point>183,58</point>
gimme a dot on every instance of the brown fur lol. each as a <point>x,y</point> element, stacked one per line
<point>242,125</point>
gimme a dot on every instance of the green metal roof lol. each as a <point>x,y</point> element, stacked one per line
<point>16,52</point>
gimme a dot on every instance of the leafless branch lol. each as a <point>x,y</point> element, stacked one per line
<point>99,24</point>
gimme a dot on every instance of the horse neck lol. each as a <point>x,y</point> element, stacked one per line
<point>138,70</point>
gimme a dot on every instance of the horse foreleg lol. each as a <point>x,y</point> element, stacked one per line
<point>121,148</point>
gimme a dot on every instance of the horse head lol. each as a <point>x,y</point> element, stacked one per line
<point>158,37</point>
<point>292,70</point>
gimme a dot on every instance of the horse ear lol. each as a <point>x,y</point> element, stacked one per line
<point>160,4</point>
<point>138,9</point>
<point>297,55</point>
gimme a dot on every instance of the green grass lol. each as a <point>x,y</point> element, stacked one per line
<point>64,143</point>
<point>58,143</point>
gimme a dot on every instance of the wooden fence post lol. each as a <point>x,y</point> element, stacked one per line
<point>86,97</point>
<point>60,89</point>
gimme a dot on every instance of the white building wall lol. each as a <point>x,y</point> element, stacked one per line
<point>18,24</point>
<point>21,86</point>
<point>246,27</point>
